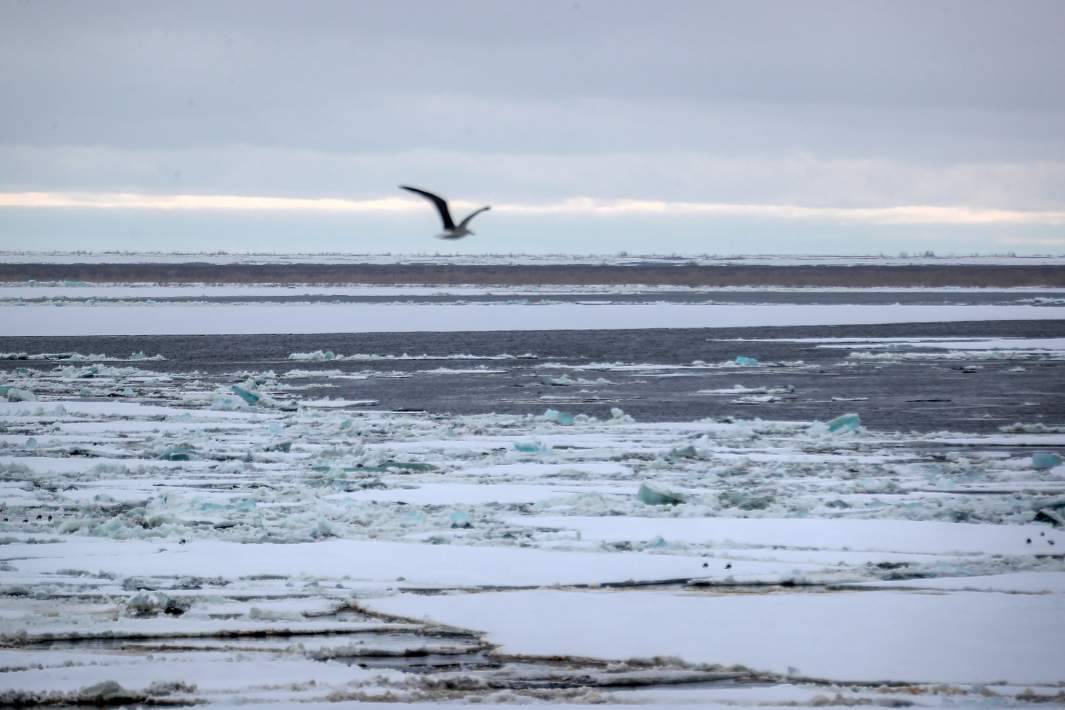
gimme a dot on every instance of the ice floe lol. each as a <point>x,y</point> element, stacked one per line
<point>198,542</point>
<point>185,319</point>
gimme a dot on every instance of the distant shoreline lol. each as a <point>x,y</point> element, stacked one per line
<point>701,275</point>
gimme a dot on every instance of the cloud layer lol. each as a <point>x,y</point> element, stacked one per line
<point>875,112</point>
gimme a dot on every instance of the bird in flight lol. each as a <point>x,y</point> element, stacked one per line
<point>451,230</point>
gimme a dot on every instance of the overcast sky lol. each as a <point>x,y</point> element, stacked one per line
<point>590,126</point>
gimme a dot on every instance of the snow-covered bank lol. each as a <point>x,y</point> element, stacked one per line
<point>170,319</point>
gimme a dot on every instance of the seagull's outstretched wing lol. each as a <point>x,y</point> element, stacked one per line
<point>471,215</point>
<point>440,202</point>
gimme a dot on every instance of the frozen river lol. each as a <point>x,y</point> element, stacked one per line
<point>807,502</point>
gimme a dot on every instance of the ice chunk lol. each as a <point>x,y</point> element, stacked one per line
<point>248,396</point>
<point>844,422</point>
<point>139,355</point>
<point>227,403</point>
<point>1049,515</point>
<point>563,418</point>
<point>531,447</point>
<point>460,519</point>
<point>746,361</point>
<point>1043,460</point>
<point>317,355</point>
<point>282,446</point>
<point>15,394</point>
<point>684,452</point>
<point>179,452</point>
<point>653,494</point>
<point>744,500</point>
<point>415,517</point>
<point>757,399</point>
<point>107,692</point>
<point>155,603</point>
<point>385,466</point>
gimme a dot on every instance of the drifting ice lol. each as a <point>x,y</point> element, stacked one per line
<point>653,495</point>
<point>181,452</point>
<point>1042,460</point>
<point>563,418</point>
<point>313,356</point>
<point>460,519</point>
<point>154,603</point>
<point>745,361</point>
<point>531,447</point>
<point>844,422</point>
<point>247,395</point>
<point>14,394</point>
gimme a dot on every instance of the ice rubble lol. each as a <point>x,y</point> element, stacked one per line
<point>315,457</point>
<point>1035,428</point>
<point>739,389</point>
<point>103,694</point>
<point>563,418</point>
<point>16,394</point>
<point>81,357</point>
<point>652,367</point>
<point>950,355</point>
<point>566,381</point>
<point>155,603</point>
<point>178,511</point>
<point>330,356</point>
<point>652,494</point>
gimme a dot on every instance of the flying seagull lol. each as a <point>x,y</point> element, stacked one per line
<point>451,230</point>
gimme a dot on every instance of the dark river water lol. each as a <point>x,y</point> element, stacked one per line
<point>646,373</point>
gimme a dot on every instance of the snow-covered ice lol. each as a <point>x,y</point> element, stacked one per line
<point>58,257</point>
<point>167,539</point>
<point>875,636</point>
<point>184,319</point>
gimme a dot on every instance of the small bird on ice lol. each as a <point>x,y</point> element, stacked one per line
<point>451,230</point>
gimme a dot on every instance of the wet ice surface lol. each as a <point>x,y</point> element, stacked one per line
<point>614,516</point>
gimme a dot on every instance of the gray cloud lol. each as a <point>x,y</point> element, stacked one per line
<point>823,104</point>
<point>476,73</point>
